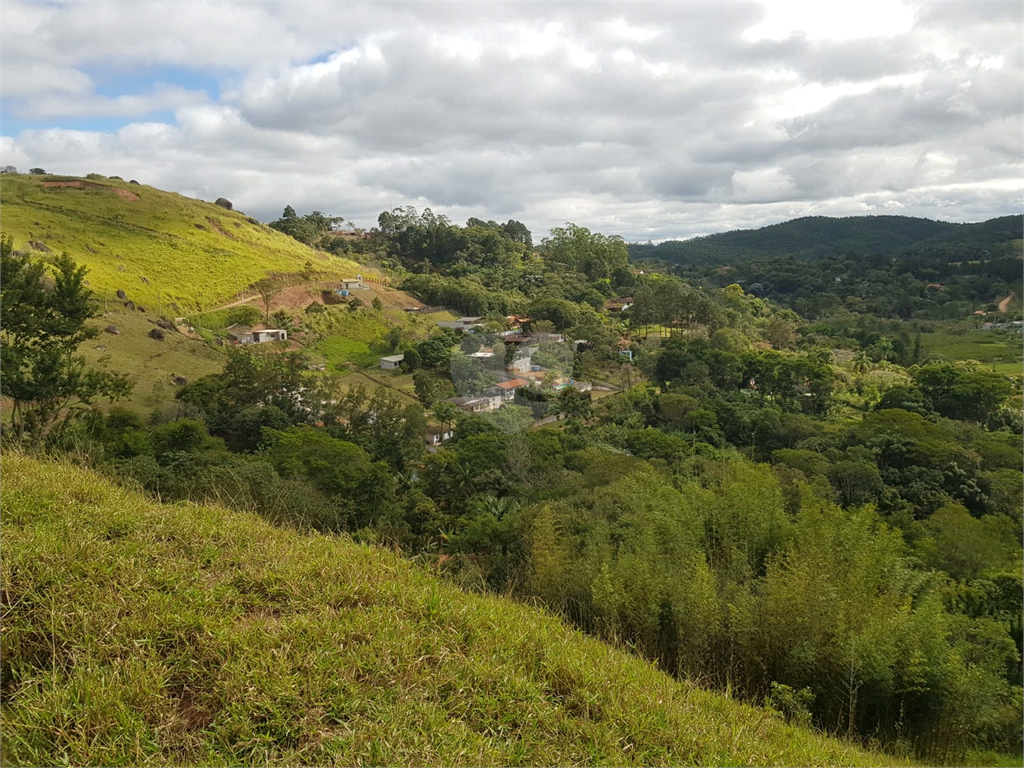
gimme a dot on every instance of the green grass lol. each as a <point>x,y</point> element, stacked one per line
<point>193,254</point>
<point>339,349</point>
<point>136,633</point>
<point>358,337</point>
<point>993,348</point>
<point>151,364</point>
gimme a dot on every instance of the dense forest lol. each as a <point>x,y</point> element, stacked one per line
<point>815,236</point>
<point>781,494</point>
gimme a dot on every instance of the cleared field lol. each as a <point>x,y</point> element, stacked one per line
<point>139,633</point>
<point>1001,350</point>
<point>166,251</point>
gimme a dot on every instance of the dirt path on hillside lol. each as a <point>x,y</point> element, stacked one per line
<point>294,298</point>
<point>124,193</point>
<point>1005,303</point>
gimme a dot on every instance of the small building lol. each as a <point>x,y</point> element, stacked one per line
<point>353,284</point>
<point>269,334</point>
<point>437,435</point>
<point>507,389</point>
<point>617,306</point>
<point>464,324</point>
<point>472,404</point>
<point>521,364</point>
<point>392,362</point>
<point>257,334</point>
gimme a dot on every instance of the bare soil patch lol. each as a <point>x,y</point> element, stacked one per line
<point>216,225</point>
<point>124,193</point>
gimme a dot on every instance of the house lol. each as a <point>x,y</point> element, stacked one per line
<point>242,334</point>
<point>353,284</point>
<point>269,334</point>
<point>256,334</point>
<point>464,324</point>
<point>472,404</point>
<point>392,362</point>
<point>437,435</point>
<point>521,364</point>
<point>617,306</point>
<point>506,390</point>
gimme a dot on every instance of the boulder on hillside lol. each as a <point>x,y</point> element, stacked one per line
<point>130,306</point>
<point>122,295</point>
<point>144,279</point>
<point>223,202</point>
<point>157,334</point>
<point>181,381</point>
<point>113,330</point>
<point>38,246</point>
<point>166,324</point>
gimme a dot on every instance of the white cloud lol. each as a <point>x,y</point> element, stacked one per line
<point>641,120</point>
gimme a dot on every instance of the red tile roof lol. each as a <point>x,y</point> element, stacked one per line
<point>512,384</point>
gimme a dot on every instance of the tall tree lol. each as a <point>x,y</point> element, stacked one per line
<point>41,328</point>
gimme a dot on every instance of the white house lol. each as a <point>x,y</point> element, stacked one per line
<point>354,284</point>
<point>472,404</point>
<point>392,362</point>
<point>257,334</point>
<point>437,435</point>
<point>507,389</point>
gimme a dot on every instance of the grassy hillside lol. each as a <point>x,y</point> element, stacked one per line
<point>159,247</point>
<point>152,365</point>
<point>813,236</point>
<point>136,633</point>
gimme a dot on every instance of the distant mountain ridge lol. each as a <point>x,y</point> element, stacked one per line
<point>816,236</point>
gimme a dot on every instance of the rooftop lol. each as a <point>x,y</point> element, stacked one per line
<point>512,384</point>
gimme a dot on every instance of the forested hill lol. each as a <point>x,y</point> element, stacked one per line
<point>814,236</point>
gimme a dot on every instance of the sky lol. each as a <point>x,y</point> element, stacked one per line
<point>645,120</point>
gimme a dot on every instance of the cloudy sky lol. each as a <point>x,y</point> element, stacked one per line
<point>648,121</point>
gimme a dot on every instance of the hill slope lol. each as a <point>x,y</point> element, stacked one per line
<point>813,236</point>
<point>140,633</point>
<point>159,247</point>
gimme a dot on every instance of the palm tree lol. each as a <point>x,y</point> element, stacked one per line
<point>861,363</point>
<point>445,413</point>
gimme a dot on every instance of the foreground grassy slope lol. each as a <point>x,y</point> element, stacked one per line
<point>191,253</point>
<point>140,633</point>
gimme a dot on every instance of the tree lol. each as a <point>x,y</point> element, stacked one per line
<point>574,404</point>
<point>425,386</point>
<point>445,412</point>
<point>41,328</point>
<point>268,290</point>
<point>37,171</point>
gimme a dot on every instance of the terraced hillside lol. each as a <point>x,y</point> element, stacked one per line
<point>139,633</point>
<point>165,251</point>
